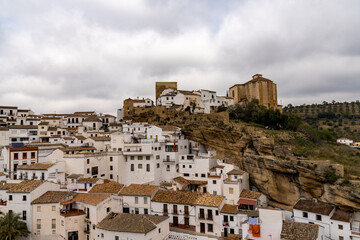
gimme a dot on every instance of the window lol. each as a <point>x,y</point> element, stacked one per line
<point>140,158</point>
<point>53,223</point>
<point>145,200</point>
<point>111,168</point>
<point>107,209</point>
<point>203,175</point>
<point>214,192</point>
<point>132,167</point>
<point>232,231</point>
<point>111,176</point>
<point>136,211</point>
<point>341,238</point>
<point>16,155</point>
<point>210,227</point>
<point>53,231</point>
<point>196,174</point>
<point>231,191</point>
<point>87,161</point>
<point>217,212</point>
<point>147,157</point>
<point>116,237</point>
<point>24,215</point>
<point>214,181</point>
<point>231,218</point>
<point>318,217</point>
<point>24,155</point>
<point>157,157</point>
<point>136,200</point>
<point>183,166</point>
<point>146,211</point>
<point>158,165</point>
<point>305,214</point>
<point>148,167</point>
<point>38,208</point>
<point>139,166</point>
<point>186,174</point>
<point>132,157</point>
<point>24,198</point>
<point>94,170</point>
<point>38,223</point>
<point>53,208</point>
<point>111,159</point>
<point>10,198</point>
<point>88,170</point>
<point>175,209</point>
<point>341,227</point>
<point>32,154</point>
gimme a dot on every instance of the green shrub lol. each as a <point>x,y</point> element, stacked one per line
<point>331,177</point>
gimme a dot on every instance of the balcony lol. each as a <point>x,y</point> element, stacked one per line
<point>71,213</point>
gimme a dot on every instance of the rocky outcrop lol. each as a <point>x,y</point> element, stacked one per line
<point>272,166</point>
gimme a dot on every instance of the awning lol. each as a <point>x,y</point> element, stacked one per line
<point>246,201</point>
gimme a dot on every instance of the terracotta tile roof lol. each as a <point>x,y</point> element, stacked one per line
<point>110,187</point>
<point>92,119</point>
<point>188,198</point>
<point>296,231</point>
<point>4,129</point>
<point>101,138</point>
<point>236,172</point>
<point>70,149</point>
<point>88,180</point>
<point>134,223</point>
<point>54,197</point>
<point>169,128</point>
<point>80,137</point>
<point>340,215</point>
<point>187,182</point>
<point>230,209</point>
<point>23,127</point>
<point>8,107</point>
<point>115,124</point>
<point>250,194</point>
<point>52,129</point>
<point>219,166</point>
<point>74,176</point>
<point>5,186</point>
<point>314,207</point>
<point>25,186</point>
<point>188,93</point>
<point>36,166</point>
<point>88,198</point>
<point>2,174</point>
<point>43,123</point>
<point>139,190</point>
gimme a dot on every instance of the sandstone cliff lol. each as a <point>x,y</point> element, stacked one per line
<point>272,166</point>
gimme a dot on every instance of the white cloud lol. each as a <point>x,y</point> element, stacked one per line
<point>74,55</point>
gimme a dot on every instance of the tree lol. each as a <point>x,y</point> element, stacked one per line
<point>11,227</point>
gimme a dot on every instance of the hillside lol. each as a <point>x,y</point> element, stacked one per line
<point>282,164</point>
<point>343,119</point>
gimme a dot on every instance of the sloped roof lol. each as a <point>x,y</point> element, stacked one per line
<point>25,186</point>
<point>314,207</point>
<point>110,187</point>
<point>296,230</point>
<point>139,190</point>
<point>340,215</point>
<point>188,198</point>
<point>53,197</point>
<point>134,223</point>
<point>250,194</point>
<point>92,119</point>
<point>88,198</point>
<point>230,209</point>
<point>101,138</point>
<point>36,166</point>
<point>236,172</point>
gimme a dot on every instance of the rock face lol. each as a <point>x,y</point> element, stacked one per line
<point>272,167</point>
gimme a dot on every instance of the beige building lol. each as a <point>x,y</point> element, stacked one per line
<point>161,86</point>
<point>259,88</point>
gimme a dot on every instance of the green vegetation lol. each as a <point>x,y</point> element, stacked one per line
<point>11,227</point>
<point>331,177</point>
<point>271,119</point>
<point>343,119</point>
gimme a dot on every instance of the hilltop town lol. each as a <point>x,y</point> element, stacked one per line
<point>171,168</point>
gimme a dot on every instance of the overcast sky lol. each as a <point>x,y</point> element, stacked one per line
<point>70,55</point>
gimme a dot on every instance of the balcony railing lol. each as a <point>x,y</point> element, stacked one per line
<point>72,212</point>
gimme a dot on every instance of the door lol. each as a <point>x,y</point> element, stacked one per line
<point>175,221</point>
<point>187,222</point>
<point>202,227</point>
<point>225,232</point>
